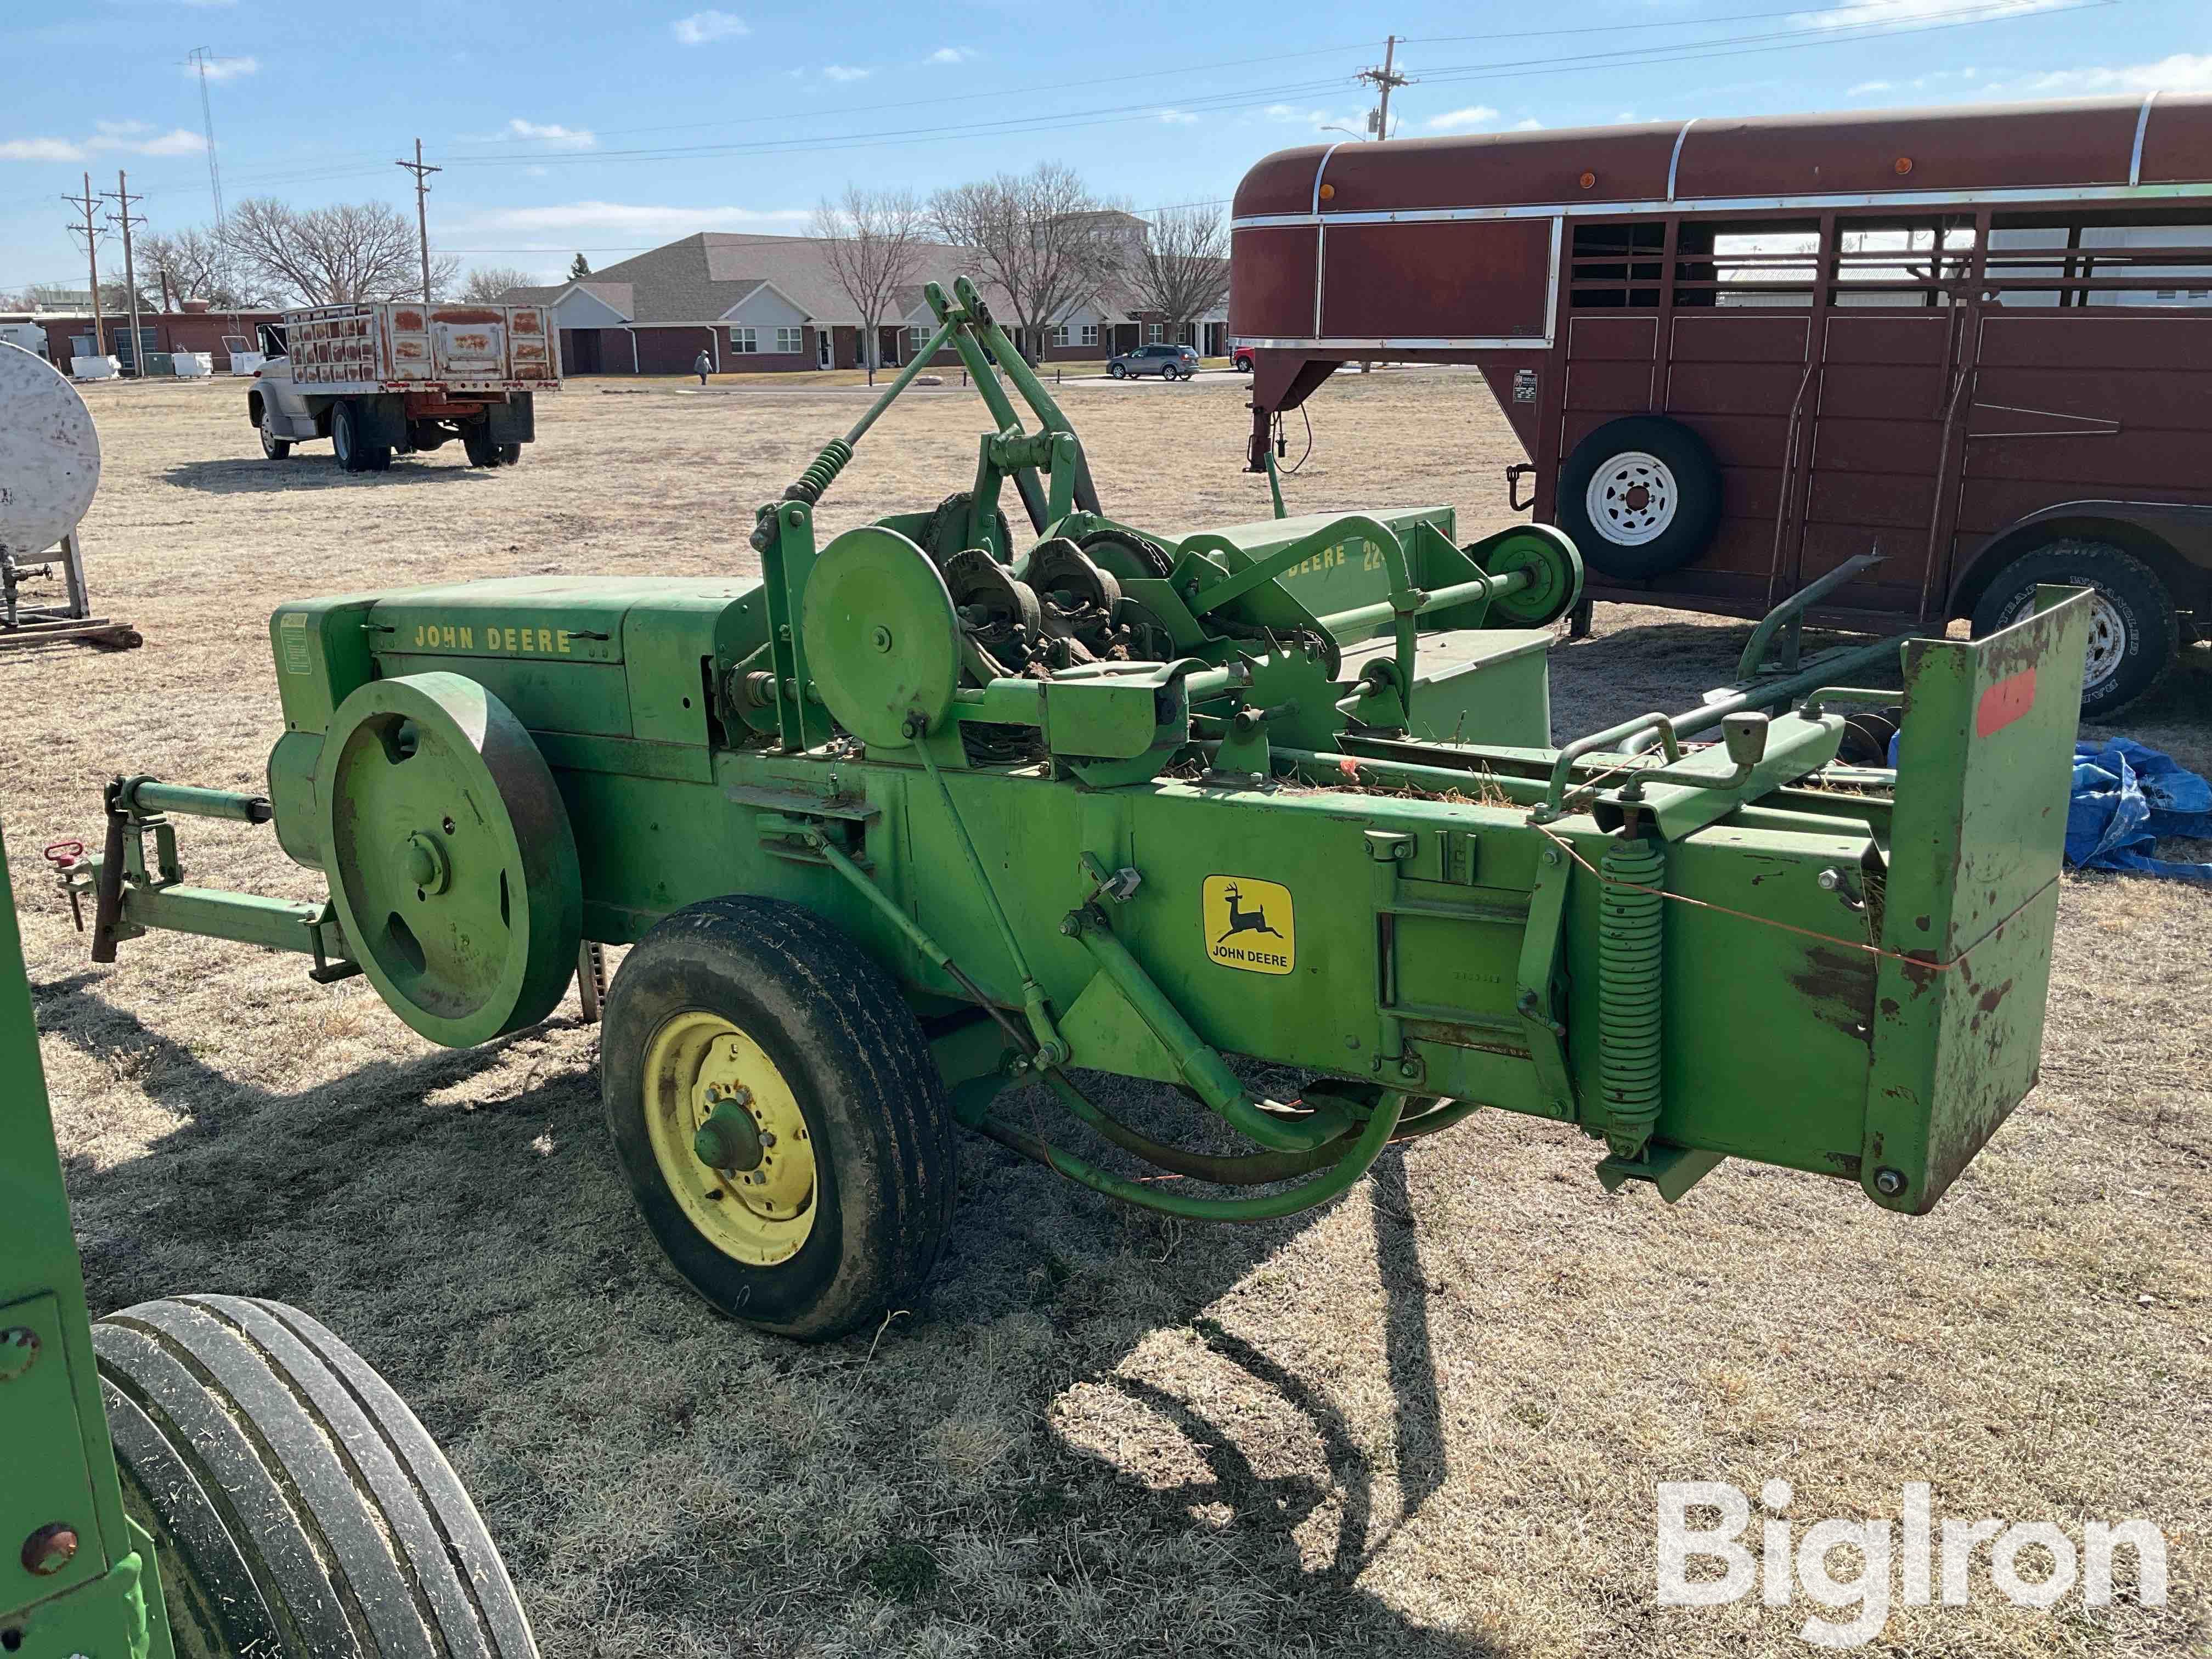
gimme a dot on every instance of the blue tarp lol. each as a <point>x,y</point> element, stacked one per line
<point>2126,797</point>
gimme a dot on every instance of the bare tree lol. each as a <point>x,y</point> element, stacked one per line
<point>1040,237</point>
<point>1181,271</point>
<point>872,241</point>
<point>200,267</point>
<point>325,256</point>
<point>487,282</point>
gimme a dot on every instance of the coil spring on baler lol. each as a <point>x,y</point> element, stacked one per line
<point>1631,933</point>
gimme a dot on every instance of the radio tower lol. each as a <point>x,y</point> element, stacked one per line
<point>198,58</point>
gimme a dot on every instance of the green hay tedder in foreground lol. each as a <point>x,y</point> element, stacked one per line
<point>935,810</point>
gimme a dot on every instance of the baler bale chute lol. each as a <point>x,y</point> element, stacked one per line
<point>937,809</point>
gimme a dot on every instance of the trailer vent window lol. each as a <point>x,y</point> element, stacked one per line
<point>1920,263</point>
<point>2043,261</point>
<point>1740,265</point>
<point>790,341</point>
<point>1617,266</point>
<point>745,339</point>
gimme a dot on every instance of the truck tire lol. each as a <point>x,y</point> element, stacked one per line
<point>2134,634</point>
<point>295,1503</point>
<point>838,1188</point>
<point>274,447</point>
<point>1640,496</point>
<point>476,440</point>
<point>355,454</point>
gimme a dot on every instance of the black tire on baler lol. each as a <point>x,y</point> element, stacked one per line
<point>843,1040</point>
<point>297,1506</point>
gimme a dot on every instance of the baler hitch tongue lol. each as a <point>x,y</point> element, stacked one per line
<point>1971,895</point>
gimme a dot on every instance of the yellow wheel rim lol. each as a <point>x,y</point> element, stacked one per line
<point>696,1063</point>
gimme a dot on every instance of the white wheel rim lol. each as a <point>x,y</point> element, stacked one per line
<point>1632,498</point>
<point>2108,637</point>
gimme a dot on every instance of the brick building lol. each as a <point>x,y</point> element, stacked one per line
<point>758,303</point>
<point>195,327</point>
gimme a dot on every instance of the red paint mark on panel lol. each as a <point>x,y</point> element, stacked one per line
<point>2005,702</point>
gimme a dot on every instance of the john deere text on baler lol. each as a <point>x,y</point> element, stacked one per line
<point>936,810</point>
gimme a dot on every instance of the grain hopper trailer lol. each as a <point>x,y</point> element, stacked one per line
<point>210,1477</point>
<point>937,809</point>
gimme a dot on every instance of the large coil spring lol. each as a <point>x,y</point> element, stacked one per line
<point>819,476</point>
<point>1629,935</point>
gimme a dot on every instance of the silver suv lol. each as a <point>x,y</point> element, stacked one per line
<point>1169,362</point>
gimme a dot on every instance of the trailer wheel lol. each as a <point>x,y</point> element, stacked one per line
<point>1640,496</point>
<point>482,451</point>
<point>2134,633</point>
<point>295,1503</point>
<point>354,455</point>
<point>776,1106</point>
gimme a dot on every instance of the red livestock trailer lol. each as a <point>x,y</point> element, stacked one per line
<point>1739,353</point>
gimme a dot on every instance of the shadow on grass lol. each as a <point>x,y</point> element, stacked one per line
<point>257,476</point>
<point>430,1209</point>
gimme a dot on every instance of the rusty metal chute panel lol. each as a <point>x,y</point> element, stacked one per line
<point>1454,281</point>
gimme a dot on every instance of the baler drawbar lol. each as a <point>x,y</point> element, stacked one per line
<point>935,810</point>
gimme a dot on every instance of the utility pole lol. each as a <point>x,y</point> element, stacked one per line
<point>90,232</point>
<point>422,173</point>
<point>1384,79</point>
<point>122,199</point>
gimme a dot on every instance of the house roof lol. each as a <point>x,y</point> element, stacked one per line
<point>700,278</point>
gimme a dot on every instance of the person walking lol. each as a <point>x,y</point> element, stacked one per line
<point>701,364</point>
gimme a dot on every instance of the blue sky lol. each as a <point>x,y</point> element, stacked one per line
<point>565,126</point>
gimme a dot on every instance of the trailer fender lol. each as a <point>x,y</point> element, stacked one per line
<point>2174,539</point>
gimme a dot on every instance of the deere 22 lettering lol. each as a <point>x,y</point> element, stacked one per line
<point>935,810</point>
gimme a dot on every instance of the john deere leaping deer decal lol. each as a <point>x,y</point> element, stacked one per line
<point>1249,924</point>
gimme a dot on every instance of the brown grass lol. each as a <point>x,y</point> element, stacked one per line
<point>1428,1420</point>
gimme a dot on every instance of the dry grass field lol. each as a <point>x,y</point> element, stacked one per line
<point>1427,1420</point>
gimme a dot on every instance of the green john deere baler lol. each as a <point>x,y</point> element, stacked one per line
<point>937,809</point>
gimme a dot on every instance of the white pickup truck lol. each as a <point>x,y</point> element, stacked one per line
<point>397,377</point>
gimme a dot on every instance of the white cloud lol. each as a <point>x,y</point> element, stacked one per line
<point>109,137</point>
<point>1459,120</point>
<point>551,132</point>
<point>1178,118</point>
<point>1530,124</point>
<point>225,68</point>
<point>1868,89</point>
<point>40,149</point>
<point>636,219</point>
<point>846,72</point>
<point>1888,12</point>
<point>950,55</point>
<point>2182,72</point>
<point>702,26</point>
<point>1318,119</point>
